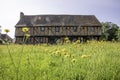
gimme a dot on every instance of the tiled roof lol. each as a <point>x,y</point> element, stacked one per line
<point>57,20</point>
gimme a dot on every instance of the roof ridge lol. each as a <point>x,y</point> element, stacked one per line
<point>59,15</point>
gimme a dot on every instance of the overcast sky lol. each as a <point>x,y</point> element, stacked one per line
<point>104,10</point>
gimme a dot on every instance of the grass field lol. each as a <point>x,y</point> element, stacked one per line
<point>85,61</point>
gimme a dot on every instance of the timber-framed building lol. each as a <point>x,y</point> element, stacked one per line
<point>51,28</point>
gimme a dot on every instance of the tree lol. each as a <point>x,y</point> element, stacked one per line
<point>109,30</point>
<point>118,34</point>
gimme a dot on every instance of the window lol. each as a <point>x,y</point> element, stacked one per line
<point>57,29</point>
<point>42,28</point>
<point>92,29</point>
<point>75,29</point>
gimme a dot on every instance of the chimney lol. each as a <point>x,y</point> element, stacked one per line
<point>21,15</point>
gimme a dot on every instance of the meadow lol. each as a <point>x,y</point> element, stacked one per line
<point>93,60</point>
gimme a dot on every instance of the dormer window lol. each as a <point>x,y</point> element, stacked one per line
<point>75,28</point>
<point>42,28</point>
<point>57,29</point>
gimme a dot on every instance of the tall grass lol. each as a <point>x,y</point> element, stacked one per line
<point>86,61</point>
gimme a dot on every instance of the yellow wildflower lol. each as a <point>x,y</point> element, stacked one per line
<point>7,30</point>
<point>66,56</point>
<point>57,52</point>
<point>68,41</point>
<point>73,60</point>
<point>25,29</point>
<point>78,41</point>
<point>84,56</point>
<point>66,38</point>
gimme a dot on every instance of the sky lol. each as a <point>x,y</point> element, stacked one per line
<point>104,10</point>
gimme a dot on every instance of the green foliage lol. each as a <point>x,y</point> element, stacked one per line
<point>89,61</point>
<point>109,31</point>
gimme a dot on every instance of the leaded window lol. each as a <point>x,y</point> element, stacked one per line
<point>92,29</point>
<point>75,28</point>
<point>42,28</point>
<point>57,29</point>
